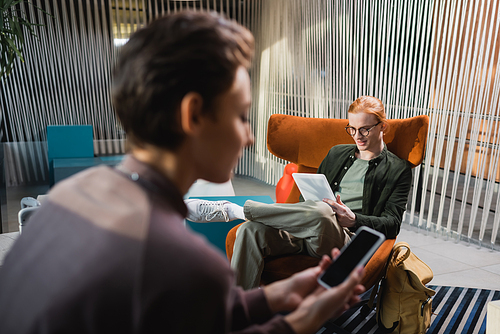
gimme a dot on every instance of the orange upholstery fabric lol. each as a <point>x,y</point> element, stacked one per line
<point>374,267</point>
<point>286,183</point>
<point>305,142</point>
<point>230,239</point>
<point>277,268</point>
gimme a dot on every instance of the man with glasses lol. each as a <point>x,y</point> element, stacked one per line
<point>371,187</point>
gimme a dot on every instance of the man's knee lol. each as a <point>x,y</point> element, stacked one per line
<point>255,235</point>
<point>324,211</point>
<point>251,228</point>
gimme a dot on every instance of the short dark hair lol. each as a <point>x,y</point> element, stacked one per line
<point>172,56</point>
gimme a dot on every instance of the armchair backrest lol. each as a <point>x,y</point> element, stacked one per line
<point>306,141</point>
<point>68,141</point>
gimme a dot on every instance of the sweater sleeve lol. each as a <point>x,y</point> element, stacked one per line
<point>251,314</point>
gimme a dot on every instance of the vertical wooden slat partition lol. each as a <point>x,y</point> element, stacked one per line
<point>313,58</point>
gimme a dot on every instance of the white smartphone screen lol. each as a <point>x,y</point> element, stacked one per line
<point>357,252</point>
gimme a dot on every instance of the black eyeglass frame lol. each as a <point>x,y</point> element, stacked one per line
<point>348,127</point>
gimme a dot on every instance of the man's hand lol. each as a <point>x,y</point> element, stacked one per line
<point>345,216</point>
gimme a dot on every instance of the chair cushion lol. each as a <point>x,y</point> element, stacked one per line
<point>230,239</point>
<point>277,268</point>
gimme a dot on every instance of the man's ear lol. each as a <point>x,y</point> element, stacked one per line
<point>191,110</point>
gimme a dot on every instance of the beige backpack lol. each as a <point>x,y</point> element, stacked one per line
<point>404,303</point>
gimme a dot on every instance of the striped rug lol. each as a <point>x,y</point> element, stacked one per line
<point>455,310</point>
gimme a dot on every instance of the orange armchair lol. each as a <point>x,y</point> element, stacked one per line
<point>285,184</point>
<point>305,142</point>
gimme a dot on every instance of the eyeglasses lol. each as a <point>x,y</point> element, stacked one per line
<point>362,131</point>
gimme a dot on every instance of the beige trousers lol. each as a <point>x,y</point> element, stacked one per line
<point>278,229</point>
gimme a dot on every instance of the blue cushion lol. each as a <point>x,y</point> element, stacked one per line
<point>68,141</point>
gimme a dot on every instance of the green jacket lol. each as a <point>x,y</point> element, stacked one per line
<point>385,191</point>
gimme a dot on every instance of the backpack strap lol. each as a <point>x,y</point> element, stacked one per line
<point>382,328</point>
<point>368,307</point>
<point>377,287</point>
<point>395,258</point>
<point>396,250</point>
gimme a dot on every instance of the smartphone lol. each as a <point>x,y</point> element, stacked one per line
<point>356,253</point>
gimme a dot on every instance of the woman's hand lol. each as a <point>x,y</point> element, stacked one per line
<point>287,294</point>
<point>323,304</point>
<point>312,305</point>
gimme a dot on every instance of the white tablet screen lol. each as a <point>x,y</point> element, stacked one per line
<point>313,187</point>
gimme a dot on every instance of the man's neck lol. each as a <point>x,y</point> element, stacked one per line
<point>371,154</point>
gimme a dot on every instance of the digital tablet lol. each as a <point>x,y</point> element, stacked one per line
<point>313,187</point>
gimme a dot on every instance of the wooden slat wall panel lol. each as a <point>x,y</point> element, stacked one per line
<point>313,58</point>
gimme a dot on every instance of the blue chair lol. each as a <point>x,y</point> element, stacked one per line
<point>69,142</point>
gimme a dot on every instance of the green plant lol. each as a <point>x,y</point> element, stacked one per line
<point>12,21</point>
